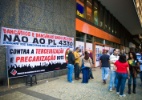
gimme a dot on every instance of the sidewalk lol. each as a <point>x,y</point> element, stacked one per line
<point>59,89</point>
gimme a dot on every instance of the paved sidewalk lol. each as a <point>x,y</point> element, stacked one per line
<point>59,88</point>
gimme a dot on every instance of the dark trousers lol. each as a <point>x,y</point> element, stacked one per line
<point>76,70</point>
<point>90,73</point>
<point>85,72</point>
<point>141,76</point>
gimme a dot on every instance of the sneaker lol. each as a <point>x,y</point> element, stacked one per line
<point>113,88</point>
<point>110,89</point>
<point>117,93</point>
<point>122,95</point>
<point>72,82</point>
<point>104,81</point>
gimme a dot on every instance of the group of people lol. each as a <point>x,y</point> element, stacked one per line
<point>78,63</point>
<point>120,67</point>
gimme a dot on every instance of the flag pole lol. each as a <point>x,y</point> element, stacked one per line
<point>8,81</point>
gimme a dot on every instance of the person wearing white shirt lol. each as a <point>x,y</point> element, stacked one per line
<point>113,58</point>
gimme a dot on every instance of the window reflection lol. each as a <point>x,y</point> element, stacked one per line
<point>89,10</point>
<point>80,8</point>
<point>95,13</point>
<point>101,16</point>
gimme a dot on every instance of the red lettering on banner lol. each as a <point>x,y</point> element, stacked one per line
<point>63,38</point>
<point>26,59</point>
<point>4,30</point>
<point>17,59</point>
<point>30,58</point>
<point>22,59</point>
<point>33,35</point>
<point>44,35</point>
<point>35,58</point>
<point>16,32</point>
<point>49,51</point>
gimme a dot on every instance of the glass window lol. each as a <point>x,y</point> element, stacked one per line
<point>106,20</point>
<point>79,36</point>
<point>101,16</point>
<point>89,38</point>
<point>89,10</point>
<point>99,40</point>
<point>112,25</point>
<point>109,23</point>
<point>80,8</point>
<point>96,13</point>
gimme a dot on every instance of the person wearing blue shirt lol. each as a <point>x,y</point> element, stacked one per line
<point>104,65</point>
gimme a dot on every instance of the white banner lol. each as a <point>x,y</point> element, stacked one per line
<point>34,52</point>
<point>32,56</point>
<point>89,47</point>
<point>99,50</point>
<point>20,37</point>
<point>26,60</point>
<point>80,45</point>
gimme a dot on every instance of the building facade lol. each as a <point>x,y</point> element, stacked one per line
<point>88,21</point>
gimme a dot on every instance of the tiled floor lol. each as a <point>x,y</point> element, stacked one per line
<point>61,89</point>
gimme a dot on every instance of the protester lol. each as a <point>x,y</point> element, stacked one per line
<point>113,80</point>
<point>71,61</point>
<point>133,67</point>
<point>86,65</point>
<point>77,61</point>
<point>104,65</point>
<point>122,72</point>
<point>141,69</point>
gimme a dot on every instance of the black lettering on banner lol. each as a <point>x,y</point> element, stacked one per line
<point>11,59</point>
<point>11,51</point>
<point>60,57</point>
<point>51,41</point>
<point>16,38</point>
<point>70,44</point>
<point>32,52</point>
<point>42,41</point>
<point>35,40</point>
<point>60,42</point>
<point>9,38</point>
<point>64,43</point>
<point>24,39</point>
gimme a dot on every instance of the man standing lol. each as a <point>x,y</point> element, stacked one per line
<point>77,61</point>
<point>113,58</point>
<point>104,65</point>
<point>141,68</point>
<point>71,61</point>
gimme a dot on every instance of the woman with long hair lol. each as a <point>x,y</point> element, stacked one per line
<point>122,71</point>
<point>86,65</point>
<point>133,66</point>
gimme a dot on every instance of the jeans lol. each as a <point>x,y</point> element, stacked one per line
<point>105,73</point>
<point>132,78</point>
<point>141,76</point>
<point>85,72</point>
<point>121,82</point>
<point>76,70</point>
<point>113,80</point>
<point>70,72</point>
